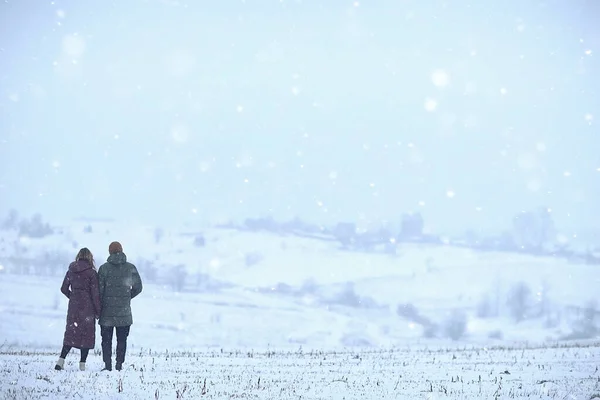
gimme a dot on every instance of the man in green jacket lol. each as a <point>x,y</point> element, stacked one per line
<point>119,282</point>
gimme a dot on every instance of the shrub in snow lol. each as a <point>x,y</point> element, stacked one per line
<point>199,241</point>
<point>345,233</point>
<point>496,334</point>
<point>356,340</point>
<point>87,229</point>
<point>411,313</point>
<point>347,296</point>
<point>585,327</point>
<point>178,276</point>
<point>215,318</point>
<point>309,286</point>
<point>158,235</point>
<point>408,311</point>
<point>252,258</point>
<point>412,225</point>
<point>430,331</point>
<point>261,224</point>
<point>456,325</point>
<point>485,307</point>
<point>533,229</point>
<point>519,301</point>
<point>147,269</point>
<point>35,227</point>
<point>206,283</point>
<point>11,221</point>
<point>297,225</point>
<point>283,288</point>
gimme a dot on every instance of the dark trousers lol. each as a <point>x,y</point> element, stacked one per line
<point>107,336</point>
<point>66,349</point>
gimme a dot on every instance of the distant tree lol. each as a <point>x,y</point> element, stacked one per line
<point>178,277</point>
<point>345,232</point>
<point>12,219</point>
<point>199,241</point>
<point>412,225</point>
<point>252,258</point>
<point>158,235</point>
<point>533,229</point>
<point>35,228</point>
<point>456,325</point>
<point>518,301</point>
<point>258,224</point>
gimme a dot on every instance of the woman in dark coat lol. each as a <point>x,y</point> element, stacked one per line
<point>81,288</point>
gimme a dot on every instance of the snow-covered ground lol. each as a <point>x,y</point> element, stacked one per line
<point>324,313</point>
<point>300,291</point>
<point>402,373</point>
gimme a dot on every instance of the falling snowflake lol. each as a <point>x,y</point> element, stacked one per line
<point>333,175</point>
<point>430,104</point>
<point>588,52</point>
<point>527,161</point>
<point>204,166</point>
<point>56,164</point>
<point>503,91</point>
<point>450,194</point>
<point>239,108</point>
<point>194,211</point>
<point>60,13</point>
<point>589,118</point>
<point>440,78</point>
<point>295,90</point>
<point>73,46</point>
<point>180,133</point>
<point>534,185</point>
<point>215,263</point>
<point>566,174</point>
<point>541,147</point>
<point>421,204</point>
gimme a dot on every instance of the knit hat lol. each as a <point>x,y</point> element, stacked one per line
<point>115,247</point>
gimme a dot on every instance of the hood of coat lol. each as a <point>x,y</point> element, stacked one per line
<point>117,258</point>
<point>80,266</point>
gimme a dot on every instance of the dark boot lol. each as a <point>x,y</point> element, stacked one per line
<point>60,364</point>
<point>122,333</point>
<point>107,332</point>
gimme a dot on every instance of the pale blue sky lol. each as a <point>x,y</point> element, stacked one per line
<point>149,110</point>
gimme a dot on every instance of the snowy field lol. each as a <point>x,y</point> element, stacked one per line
<point>240,329</point>
<point>563,372</point>
<point>299,291</point>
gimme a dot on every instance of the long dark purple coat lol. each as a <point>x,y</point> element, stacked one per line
<point>81,288</point>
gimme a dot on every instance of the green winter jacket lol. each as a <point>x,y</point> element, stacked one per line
<point>119,282</point>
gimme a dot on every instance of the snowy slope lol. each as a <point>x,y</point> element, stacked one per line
<point>299,291</point>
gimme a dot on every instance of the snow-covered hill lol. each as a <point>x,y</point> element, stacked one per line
<point>242,289</point>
